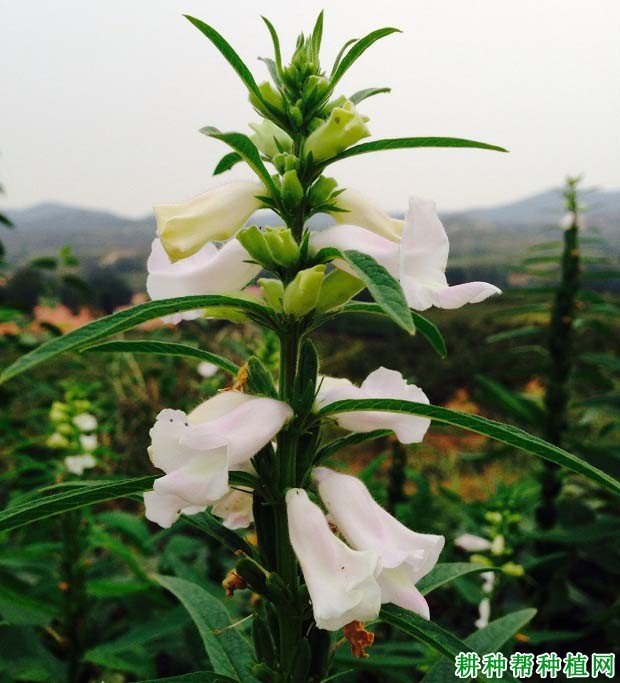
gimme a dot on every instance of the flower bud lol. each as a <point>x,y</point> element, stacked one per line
<point>321,191</point>
<point>253,241</point>
<point>337,288</point>
<point>292,190</point>
<point>480,559</point>
<point>273,291</point>
<point>270,139</point>
<point>498,545</point>
<point>344,127</point>
<point>512,569</point>
<point>282,246</point>
<point>269,94</point>
<point>59,411</point>
<point>253,574</point>
<point>493,517</point>
<point>57,440</point>
<point>65,429</point>
<point>316,87</point>
<point>301,296</point>
<point>296,117</point>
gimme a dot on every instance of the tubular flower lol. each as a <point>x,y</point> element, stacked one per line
<point>356,210</point>
<point>382,383</point>
<point>270,139</point>
<point>343,128</point>
<point>209,271</point>
<point>196,451</point>
<point>419,261</point>
<point>341,581</point>
<point>215,215</point>
<point>405,556</point>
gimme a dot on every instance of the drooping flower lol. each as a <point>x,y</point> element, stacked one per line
<point>471,543</point>
<point>341,581</point>
<point>270,139</point>
<point>197,451</point>
<point>382,383</point>
<point>208,271</point>
<point>85,422</point>
<point>418,261</point>
<point>215,215</point>
<point>404,555</point>
<point>88,441</point>
<point>76,464</point>
<point>235,508</point>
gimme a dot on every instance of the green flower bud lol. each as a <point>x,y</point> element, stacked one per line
<point>316,87</point>
<point>321,191</point>
<point>344,127</point>
<point>270,139</point>
<point>480,559</point>
<point>59,412</point>
<point>493,517</point>
<point>337,288</point>
<point>292,190</point>
<point>301,296</point>
<point>253,240</point>
<point>296,117</point>
<point>512,569</point>
<point>330,106</point>
<point>498,545</point>
<point>253,574</point>
<point>57,440</point>
<point>65,429</point>
<point>291,163</point>
<point>279,161</point>
<point>273,291</point>
<point>281,244</point>
<point>269,95</point>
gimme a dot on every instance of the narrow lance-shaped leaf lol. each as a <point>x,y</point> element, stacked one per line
<point>247,149</point>
<point>423,325</point>
<point>82,496</point>
<point>383,288</point>
<point>122,321</point>
<point>208,524</point>
<point>227,162</point>
<point>512,436</point>
<point>164,349</point>
<point>195,677</point>
<point>228,53</point>
<point>357,50</point>
<point>276,42</point>
<point>361,95</point>
<point>445,572</point>
<point>229,653</point>
<point>409,143</point>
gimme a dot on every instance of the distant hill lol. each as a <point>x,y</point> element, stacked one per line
<point>481,238</point>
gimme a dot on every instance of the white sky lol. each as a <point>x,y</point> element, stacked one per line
<point>102,99</point>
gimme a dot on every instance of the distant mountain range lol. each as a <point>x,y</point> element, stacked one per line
<point>479,237</point>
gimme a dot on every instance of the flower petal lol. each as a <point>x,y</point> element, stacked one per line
<point>357,210</point>
<point>341,581</point>
<point>235,508</point>
<point>399,588</point>
<point>164,509</point>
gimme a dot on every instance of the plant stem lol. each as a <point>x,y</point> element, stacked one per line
<point>560,345</point>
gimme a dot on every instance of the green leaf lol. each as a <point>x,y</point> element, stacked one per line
<point>361,95</point>
<point>276,42</point>
<point>209,525</point>
<point>21,609</point>
<point>349,440</point>
<point>423,325</point>
<point>427,632</point>
<point>515,333</point>
<point>228,53</point>
<point>82,496</point>
<point>227,162</point>
<point>126,320</point>
<point>516,406</point>
<point>164,349</point>
<point>228,652</point>
<point>357,50</point>
<point>409,143</point>
<point>445,572</point>
<point>260,381</point>
<point>491,638</point>
<point>317,35</point>
<point>511,436</point>
<point>602,360</point>
<point>247,150</point>
<point>383,288</point>
<point>44,262</point>
<point>196,677</point>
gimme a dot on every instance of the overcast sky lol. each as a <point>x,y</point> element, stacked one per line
<point>102,99</point>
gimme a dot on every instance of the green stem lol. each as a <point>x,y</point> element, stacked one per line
<point>560,345</point>
<point>287,444</point>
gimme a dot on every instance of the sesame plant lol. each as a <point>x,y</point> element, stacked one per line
<point>257,454</point>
